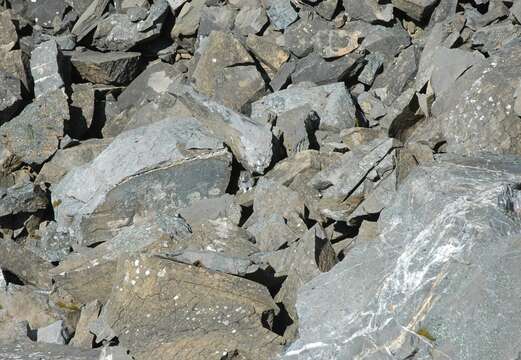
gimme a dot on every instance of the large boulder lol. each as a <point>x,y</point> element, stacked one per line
<point>439,282</point>
<point>145,173</point>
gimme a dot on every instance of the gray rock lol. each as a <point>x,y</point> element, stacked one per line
<point>65,160</point>
<point>29,350</point>
<point>368,10</point>
<point>374,63</point>
<point>83,338</point>
<point>14,63</point>
<point>152,82</point>
<point>385,302</point>
<point>134,177</point>
<point>10,96</point>
<point>117,68</point>
<point>53,334</point>
<point>48,243</point>
<point>371,106</point>
<point>299,37</point>
<point>297,126</point>
<point>187,21</point>
<point>82,110</point>
<point>327,8</point>
<point>250,141</point>
<point>281,13</point>
<point>197,313</point>
<point>308,258</point>
<point>8,35</point>
<point>332,103</point>
<point>211,209</point>
<point>272,233</point>
<point>46,67</point>
<point>416,9</point>
<point>387,40</point>
<point>34,135</point>
<point>494,37</point>
<point>345,175</point>
<point>117,32</point>
<point>336,43</point>
<point>217,18</point>
<point>250,20</point>
<point>89,18</point>
<point>226,71</point>
<point>215,261</point>
<point>272,56</point>
<point>314,68</point>
<point>22,197</point>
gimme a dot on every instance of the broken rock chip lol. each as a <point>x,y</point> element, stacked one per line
<point>416,9</point>
<point>249,140</point>
<point>8,35</point>
<point>113,68</point>
<point>10,96</point>
<point>463,238</point>
<point>33,142</point>
<point>368,10</point>
<point>332,103</point>
<point>281,13</point>
<point>24,197</point>
<point>144,173</point>
<point>336,43</point>
<point>31,350</point>
<point>162,309</point>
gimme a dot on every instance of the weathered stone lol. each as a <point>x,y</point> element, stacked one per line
<point>193,313</point>
<point>388,304</point>
<point>10,96</point>
<point>118,33</point>
<point>8,36</point>
<point>357,136</point>
<point>134,178</point>
<point>250,141</point>
<point>82,336</point>
<point>368,10</point>
<point>345,175</point>
<point>336,43</point>
<point>281,13</point>
<point>327,8</point>
<point>14,63</point>
<point>371,106</point>
<point>188,19</point>
<point>272,233</point>
<point>22,198</point>
<point>216,18</point>
<point>308,258</point>
<point>386,40</point>
<point>48,243</point>
<point>268,53</point>
<point>332,103</point>
<point>66,159</point>
<point>299,38</point>
<point>316,69</point>
<point>89,18</point>
<point>117,68</point>
<point>211,209</point>
<point>30,350</point>
<point>46,67</point>
<point>34,135</point>
<point>416,9</point>
<point>82,110</point>
<point>494,37</point>
<point>373,64</point>
<point>23,263</point>
<point>250,20</point>
<point>52,334</point>
<point>216,74</point>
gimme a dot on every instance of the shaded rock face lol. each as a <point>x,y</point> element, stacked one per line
<point>406,282</point>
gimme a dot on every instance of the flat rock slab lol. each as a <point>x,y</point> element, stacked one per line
<point>332,103</point>
<point>159,308</point>
<point>146,172</point>
<point>45,68</point>
<point>450,233</point>
<point>113,68</point>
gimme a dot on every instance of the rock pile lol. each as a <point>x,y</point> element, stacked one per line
<point>260,179</point>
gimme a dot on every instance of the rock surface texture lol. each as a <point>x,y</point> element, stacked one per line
<point>260,179</point>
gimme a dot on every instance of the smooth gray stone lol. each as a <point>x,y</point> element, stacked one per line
<point>332,103</point>
<point>450,234</point>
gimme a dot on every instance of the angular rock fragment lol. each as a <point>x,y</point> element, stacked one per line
<point>416,9</point>
<point>23,197</point>
<point>45,68</point>
<point>33,142</point>
<point>250,141</point>
<point>332,103</point>
<point>368,10</point>
<point>216,18</point>
<point>389,303</point>
<point>52,334</point>
<point>135,177</point>
<point>336,43</point>
<point>345,175</point>
<point>117,68</point>
<point>187,21</point>
<point>83,337</point>
<point>226,71</point>
<point>316,69</point>
<point>267,52</point>
<point>89,18</point>
<point>250,20</point>
<point>30,350</point>
<point>14,63</point>
<point>190,312</point>
<point>10,96</point>
<point>281,13</point>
